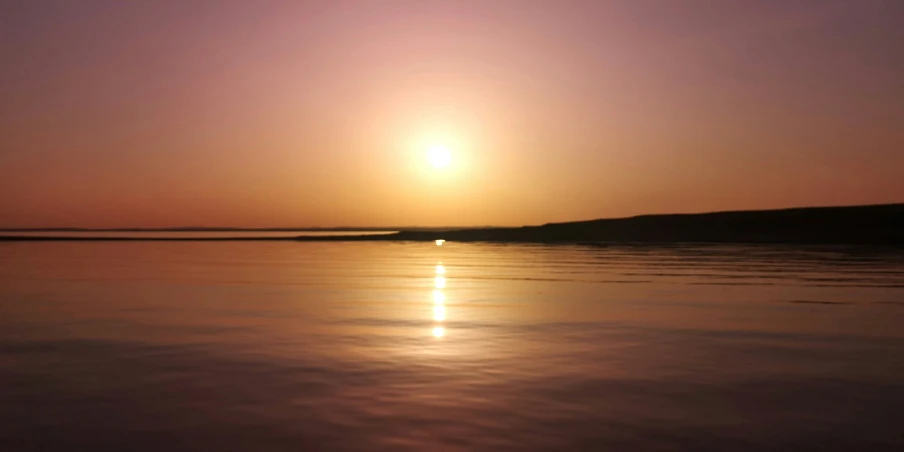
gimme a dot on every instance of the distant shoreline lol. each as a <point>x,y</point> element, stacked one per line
<point>854,225</point>
<point>229,229</point>
<point>70,238</point>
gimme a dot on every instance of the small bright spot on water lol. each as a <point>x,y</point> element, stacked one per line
<point>439,313</point>
<point>439,331</point>
<point>438,297</point>
<point>440,242</point>
<point>440,282</point>
<point>440,270</point>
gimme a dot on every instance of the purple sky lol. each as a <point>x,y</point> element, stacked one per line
<point>292,113</point>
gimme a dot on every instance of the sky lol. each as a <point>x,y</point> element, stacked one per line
<point>321,113</point>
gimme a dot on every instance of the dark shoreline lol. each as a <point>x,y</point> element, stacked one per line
<point>63,238</point>
<point>855,225</point>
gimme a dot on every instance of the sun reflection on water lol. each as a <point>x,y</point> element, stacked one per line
<point>439,299</point>
<point>439,313</point>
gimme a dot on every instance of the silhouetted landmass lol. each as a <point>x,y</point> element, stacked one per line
<point>75,238</point>
<point>854,225</point>
<point>876,224</point>
<point>236,229</point>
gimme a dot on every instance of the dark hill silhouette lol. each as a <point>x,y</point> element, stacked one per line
<point>875,224</point>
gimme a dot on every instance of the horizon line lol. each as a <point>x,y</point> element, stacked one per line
<point>400,228</point>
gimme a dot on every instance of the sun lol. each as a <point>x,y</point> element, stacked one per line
<point>439,156</point>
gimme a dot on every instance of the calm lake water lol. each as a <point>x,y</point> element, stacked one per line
<point>283,346</point>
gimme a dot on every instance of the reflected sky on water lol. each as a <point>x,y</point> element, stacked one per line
<point>404,346</point>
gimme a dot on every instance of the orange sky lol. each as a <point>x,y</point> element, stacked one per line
<point>234,113</point>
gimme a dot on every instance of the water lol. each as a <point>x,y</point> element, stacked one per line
<point>283,346</point>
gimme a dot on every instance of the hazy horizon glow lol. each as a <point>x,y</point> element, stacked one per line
<point>320,113</point>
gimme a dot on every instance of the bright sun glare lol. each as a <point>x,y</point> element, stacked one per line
<point>439,156</point>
